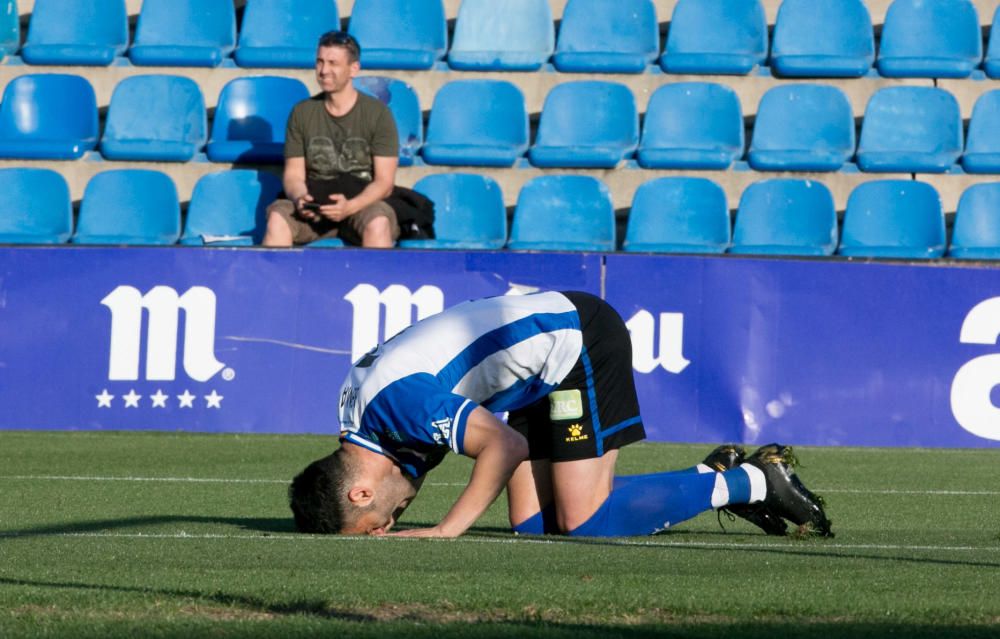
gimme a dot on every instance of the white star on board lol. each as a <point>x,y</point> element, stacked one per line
<point>132,399</point>
<point>186,400</point>
<point>213,401</point>
<point>159,399</point>
<point>104,399</point>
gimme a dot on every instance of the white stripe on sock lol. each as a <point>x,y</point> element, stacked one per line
<point>758,483</point>
<point>720,494</point>
<point>702,469</point>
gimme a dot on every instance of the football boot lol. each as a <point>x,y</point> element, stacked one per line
<point>727,457</point>
<point>786,496</point>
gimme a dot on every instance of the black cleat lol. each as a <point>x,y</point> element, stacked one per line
<point>727,457</point>
<point>786,495</point>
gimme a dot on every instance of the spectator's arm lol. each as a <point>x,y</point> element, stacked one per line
<point>294,180</point>
<point>379,188</point>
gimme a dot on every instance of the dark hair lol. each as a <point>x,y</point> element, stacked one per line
<point>342,39</point>
<point>318,495</point>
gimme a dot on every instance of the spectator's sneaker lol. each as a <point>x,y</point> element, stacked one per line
<point>727,457</point>
<point>786,495</point>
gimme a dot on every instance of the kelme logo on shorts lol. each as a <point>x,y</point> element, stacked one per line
<point>565,404</point>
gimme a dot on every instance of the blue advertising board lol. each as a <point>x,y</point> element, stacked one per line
<point>223,340</point>
<point>823,352</point>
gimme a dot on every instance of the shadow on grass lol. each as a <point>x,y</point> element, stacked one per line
<point>281,525</point>
<point>262,524</point>
<point>299,618</point>
<point>272,525</point>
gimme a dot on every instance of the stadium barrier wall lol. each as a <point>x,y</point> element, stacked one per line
<point>812,352</point>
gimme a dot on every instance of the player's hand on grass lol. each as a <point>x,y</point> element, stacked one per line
<point>436,531</point>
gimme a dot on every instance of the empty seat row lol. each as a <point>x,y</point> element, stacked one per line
<point>920,38</point>
<point>789,217</point>
<point>884,218</point>
<point>135,207</point>
<point>583,124</point>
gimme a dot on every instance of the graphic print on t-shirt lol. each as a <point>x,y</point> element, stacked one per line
<point>326,158</point>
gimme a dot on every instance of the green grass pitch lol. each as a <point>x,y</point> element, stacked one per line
<point>181,535</point>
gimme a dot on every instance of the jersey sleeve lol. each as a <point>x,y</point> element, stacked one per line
<point>417,413</point>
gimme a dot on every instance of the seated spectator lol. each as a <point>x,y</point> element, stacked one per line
<point>341,154</point>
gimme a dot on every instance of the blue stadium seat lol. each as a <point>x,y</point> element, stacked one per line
<point>48,116</point>
<point>976,235</point>
<point>184,33</point>
<point>129,206</point>
<point>563,213</point>
<point>991,63</point>
<point>514,35</point>
<point>597,36</point>
<point>468,212</point>
<point>284,33</point>
<point>229,208</point>
<point>692,125</point>
<point>930,39</point>
<point>10,28</point>
<point>586,124</point>
<point>327,242</point>
<point>405,106</point>
<point>400,34</point>
<point>477,123</point>
<point>910,129</point>
<point>251,117</point>
<point>893,218</point>
<point>802,127</point>
<point>785,217</point>
<point>716,37</point>
<point>69,32</point>
<point>982,146</point>
<point>36,207</point>
<point>678,215</point>
<point>827,38</point>
<point>155,118</point>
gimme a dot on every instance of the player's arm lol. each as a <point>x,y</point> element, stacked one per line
<point>497,449</point>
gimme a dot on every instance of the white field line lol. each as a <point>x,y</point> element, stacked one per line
<point>652,543</point>
<point>223,480</point>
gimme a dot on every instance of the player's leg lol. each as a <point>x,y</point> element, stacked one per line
<point>529,493</point>
<point>587,434</point>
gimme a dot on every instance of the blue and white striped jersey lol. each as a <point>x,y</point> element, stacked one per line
<point>410,398</point>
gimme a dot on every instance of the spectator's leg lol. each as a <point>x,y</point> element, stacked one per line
<point>378,234</point>
<point>285,228</point>
<point>374,226</point>
<point>279,230</point>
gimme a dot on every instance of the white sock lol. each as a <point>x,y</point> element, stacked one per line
<point>758,483</point>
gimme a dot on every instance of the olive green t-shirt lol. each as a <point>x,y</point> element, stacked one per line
<point>347,144</point>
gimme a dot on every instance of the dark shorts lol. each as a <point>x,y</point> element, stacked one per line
<point>595,409</point>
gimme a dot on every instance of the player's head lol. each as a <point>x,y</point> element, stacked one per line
<point>335,495</point>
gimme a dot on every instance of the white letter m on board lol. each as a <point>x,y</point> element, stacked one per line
<point>399,303</point>
<point>163,305</point>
